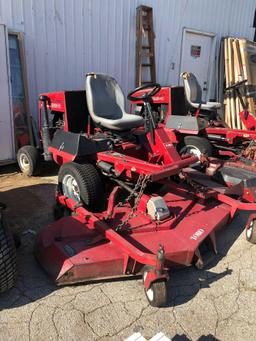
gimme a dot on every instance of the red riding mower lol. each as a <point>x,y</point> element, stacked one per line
<point>127,202</point>
<point>228,155</point>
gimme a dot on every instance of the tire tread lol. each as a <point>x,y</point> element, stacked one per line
<point>8,265</point>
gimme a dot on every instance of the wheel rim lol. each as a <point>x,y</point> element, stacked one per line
<point>70,187</point>
<point>190,149</point>
<point>150,294</point>
<point>249,230</point>
<point>24,162</point>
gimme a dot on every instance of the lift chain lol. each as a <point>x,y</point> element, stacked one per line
<point>140,185</point>
<point>133,193</point>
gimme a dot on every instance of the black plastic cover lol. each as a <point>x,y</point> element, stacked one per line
<point>79,144</point>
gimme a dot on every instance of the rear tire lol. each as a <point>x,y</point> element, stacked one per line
<point>81,182</point>
<point>28,159</point>
<point>8,265</point>
<point>195,145</point>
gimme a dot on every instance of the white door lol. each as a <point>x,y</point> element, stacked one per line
<point>197,56</point>
<point>6,130</point>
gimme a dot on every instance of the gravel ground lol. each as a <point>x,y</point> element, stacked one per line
<point>216,303</point>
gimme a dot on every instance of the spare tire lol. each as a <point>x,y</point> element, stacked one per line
<point>8,264</point>
<point>82,183</point>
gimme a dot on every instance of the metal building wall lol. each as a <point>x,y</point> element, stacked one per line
<point>64,39</point>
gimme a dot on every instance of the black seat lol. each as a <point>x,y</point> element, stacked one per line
<point>105,101</point>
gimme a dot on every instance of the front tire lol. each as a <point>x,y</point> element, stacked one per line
<point>28,159</point>
<point>82,183</point>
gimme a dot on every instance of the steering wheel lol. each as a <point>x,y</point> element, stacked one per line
<point>147,95</point>
<point>236,85</point>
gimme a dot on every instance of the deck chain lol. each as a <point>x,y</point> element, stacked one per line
<point>141,185</point>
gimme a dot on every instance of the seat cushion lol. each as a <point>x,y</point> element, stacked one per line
<point>211,105</point>
<point>207,106</point>
<point>126,122</point>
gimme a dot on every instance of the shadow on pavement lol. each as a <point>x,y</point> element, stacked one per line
<point>185,283</point>
<point>29,208</point>
<point>183,337</point>
<point>46,169</point>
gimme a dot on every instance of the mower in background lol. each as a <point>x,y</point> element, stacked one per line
<point>227,155</point>
<point>29,157</point>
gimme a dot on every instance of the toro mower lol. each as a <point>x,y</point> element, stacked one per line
<point>126,203</point>
<point>228,155</point>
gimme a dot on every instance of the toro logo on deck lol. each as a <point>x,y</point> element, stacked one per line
<point>197,234</point>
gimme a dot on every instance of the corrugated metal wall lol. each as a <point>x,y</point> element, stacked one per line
<point>64,39</point>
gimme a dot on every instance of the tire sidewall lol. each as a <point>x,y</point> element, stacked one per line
<point>64,170</point>
<point>88,181</point>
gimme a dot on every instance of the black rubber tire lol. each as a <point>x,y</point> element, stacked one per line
<point>199,142</point>
<point>8,264</point>
<point>251,233</point>
<point>33,159</point>
<point>88,180</point>
<point>158,297</point>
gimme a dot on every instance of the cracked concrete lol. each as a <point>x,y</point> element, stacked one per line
<point>217,303</point>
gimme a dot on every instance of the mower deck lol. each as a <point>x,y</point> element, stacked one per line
<point>72,250</point>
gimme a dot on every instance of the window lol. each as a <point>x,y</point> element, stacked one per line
<point>18,91</point>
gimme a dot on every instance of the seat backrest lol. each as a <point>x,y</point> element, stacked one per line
<point>105,98</point>
<point>77,111</point>
<point>193,90</point>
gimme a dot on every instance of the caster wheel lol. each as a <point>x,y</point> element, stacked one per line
<point>157,294</point>
<point>251,232</point>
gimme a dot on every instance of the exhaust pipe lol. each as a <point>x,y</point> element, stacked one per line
<point>46,138</point>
